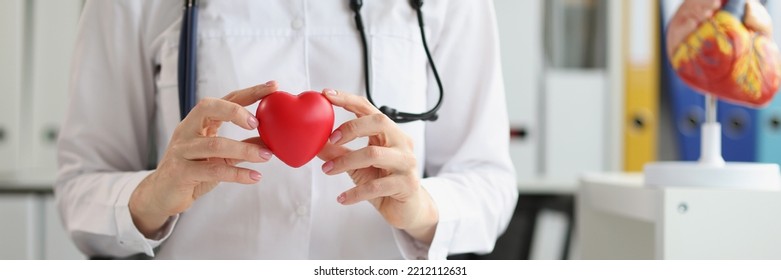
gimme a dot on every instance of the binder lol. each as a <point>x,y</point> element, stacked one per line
<point>641,102</point>
<point>12,16</point>
<point>688,114</point>
<point>738,132</point>
<point>769,118</point>
<point>769,133</point>
<point>753,134</point>
<point>687,105</point>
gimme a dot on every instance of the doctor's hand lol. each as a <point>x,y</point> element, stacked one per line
<point>196,159</point>
<point>384,172</point>
<point>692,13</point>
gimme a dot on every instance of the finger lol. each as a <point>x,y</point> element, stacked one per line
<point>250,95</point>
<point>232,162</point>
<point>700,10</point>
<point>256,141</point>
<point>220,147</point>
<point>686,20</point>
<point>391,186</point>
<point>371,156</point>
<point>219,171</point>
<point>369,125</point>
<point>758,19</point>
<point>211,109</point>
<point>331,151</point>
<point>708,5</point>
<point>358,105</point>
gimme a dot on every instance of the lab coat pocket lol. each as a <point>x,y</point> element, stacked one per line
<point>398,72</point>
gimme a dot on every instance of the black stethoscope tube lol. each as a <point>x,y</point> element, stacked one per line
<point>393,114</point>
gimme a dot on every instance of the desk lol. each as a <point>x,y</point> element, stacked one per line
<point>618,218</point>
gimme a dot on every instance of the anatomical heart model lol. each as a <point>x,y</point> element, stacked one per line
<point>725,48</point>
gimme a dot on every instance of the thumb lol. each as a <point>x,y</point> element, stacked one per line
<point>757,18</point>
<point>686,20</point>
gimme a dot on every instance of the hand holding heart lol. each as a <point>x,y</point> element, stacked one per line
<point>384,172</point>
<point>196,159</point>
<point>296,129</point>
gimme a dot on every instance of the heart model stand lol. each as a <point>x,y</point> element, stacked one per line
<point>711,171</point>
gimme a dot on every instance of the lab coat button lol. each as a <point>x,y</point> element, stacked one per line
<point>297,23</point>
<point>302,211</point>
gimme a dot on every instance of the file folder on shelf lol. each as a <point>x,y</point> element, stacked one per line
<point>688,106</point>
<point>688,114</point>
<point>769,118</point>
<point>641,58</point>
<point>738,132</point>
<point>769,133</point>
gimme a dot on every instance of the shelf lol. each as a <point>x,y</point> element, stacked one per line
<point>32,180</point>
<point>548,186</point>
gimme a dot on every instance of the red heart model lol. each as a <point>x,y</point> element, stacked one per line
<point>295,128</point>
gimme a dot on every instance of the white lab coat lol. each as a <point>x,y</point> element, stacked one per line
<point>124,104</point>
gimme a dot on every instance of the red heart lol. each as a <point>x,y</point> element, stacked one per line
<point>295,128</point>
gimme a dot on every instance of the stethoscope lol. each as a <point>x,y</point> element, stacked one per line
<point>188,52</point>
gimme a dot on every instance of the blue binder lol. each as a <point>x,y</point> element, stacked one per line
<point>688,114</point>
<point>738,132</point>
<point>688,111</point>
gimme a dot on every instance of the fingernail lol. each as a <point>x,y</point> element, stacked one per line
<point>254,175</point>
<point>270,83</point>
<point>328,166</point>
<point>330,92</point>
<point>335,137</point>
<point>341,198</point>
<point>253,122</point>
<point>265,154</point>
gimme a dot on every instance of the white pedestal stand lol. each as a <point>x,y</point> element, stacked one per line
<point>711,171</point>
